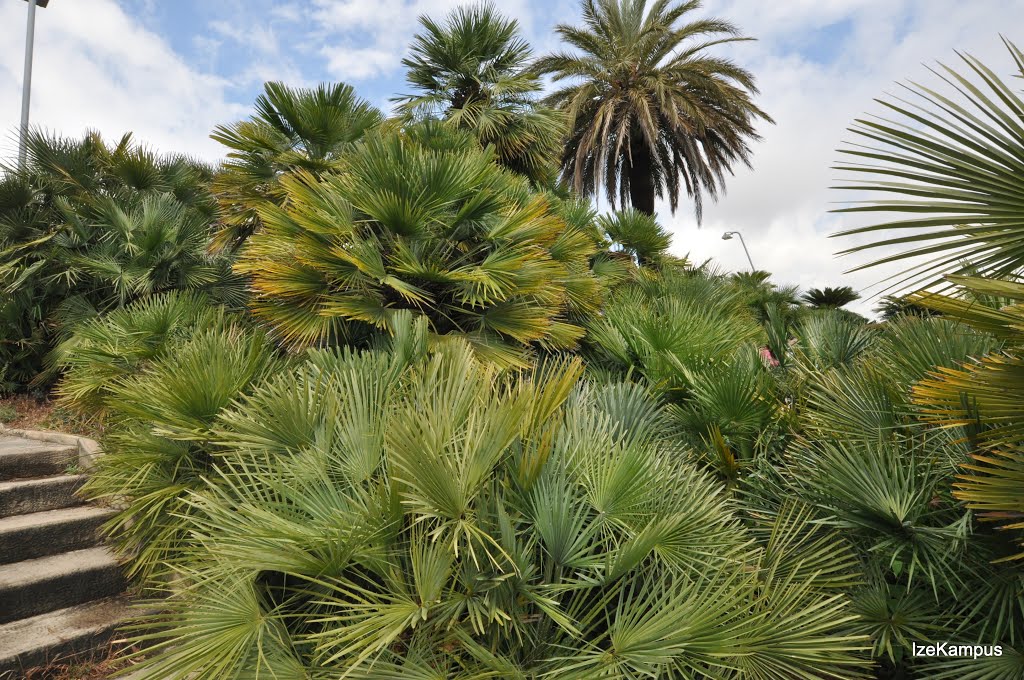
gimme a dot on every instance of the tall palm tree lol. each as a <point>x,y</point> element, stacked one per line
<point>651,112</point>
<point>472,71</point>
<point>293,129</point>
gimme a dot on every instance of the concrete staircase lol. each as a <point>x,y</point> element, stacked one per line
<point>61,591</point>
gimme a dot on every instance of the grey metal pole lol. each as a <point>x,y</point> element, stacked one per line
<point>744,244</point>
<point>26,88</point>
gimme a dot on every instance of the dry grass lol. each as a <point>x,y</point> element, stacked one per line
<point>34,413</point>
<point>97,666</point>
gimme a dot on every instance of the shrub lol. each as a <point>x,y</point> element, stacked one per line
<point>88,228</point>
<point>421,221</point>
<point>293,129</point>
<point>412,514</point>
<point>100,352</point>
<point>159,445</point>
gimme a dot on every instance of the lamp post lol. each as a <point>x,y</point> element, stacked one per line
<point>26,86</point>
<point>727,236</point>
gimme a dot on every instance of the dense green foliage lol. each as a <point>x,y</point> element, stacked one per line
<point>487,523</point>
<point>461,426</point>
<point>86,228</point>
<point>975,243</point>
<point>424,221</point>
<point>293,129</point>
<point>160,444</point>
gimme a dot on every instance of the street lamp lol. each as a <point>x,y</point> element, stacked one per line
<point>26,85</point>
<point>727,236</point>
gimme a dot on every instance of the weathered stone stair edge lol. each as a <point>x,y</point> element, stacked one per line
<point>88,449</point>
<point>70,640</point>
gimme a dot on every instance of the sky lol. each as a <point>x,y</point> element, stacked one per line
<point>170,70</point>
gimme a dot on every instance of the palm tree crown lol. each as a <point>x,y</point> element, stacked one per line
<point>472,71</point>
<point>293,129</point>
<point>830,297</point>
<point>420,220</point>
<point>651,112</point>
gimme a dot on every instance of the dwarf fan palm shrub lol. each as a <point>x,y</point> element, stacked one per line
<point>100,352</point>
<point>637,234</point>
<point>695,342</point>
<point>669,327</point>
<point>415,514</point>
<point>869,463</point>
<point>159,444</point>
<point>88,227</point>
<point>422,221</point>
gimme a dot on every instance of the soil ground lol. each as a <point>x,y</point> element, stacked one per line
<point>40,413</point>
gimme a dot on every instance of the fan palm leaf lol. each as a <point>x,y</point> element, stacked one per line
<point>471,71</point>
<point>445,234</point>
<point>292,129</point>
<point>415,512</point>
<point>953,164</point>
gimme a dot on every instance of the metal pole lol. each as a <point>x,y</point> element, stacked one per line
<point>744,244</point>
<point>26,88</point>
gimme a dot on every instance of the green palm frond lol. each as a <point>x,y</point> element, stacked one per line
<point>307,129</point>
<point>831,339</point>
<point>159,446</point>
<point>87,227</point>
<point>892,496</point>
<point>415,512</point>
<point>952,164</point>
<point>100,352</point>
<point>471,71</point>
<point>830,297</point>
<point>637,234</point>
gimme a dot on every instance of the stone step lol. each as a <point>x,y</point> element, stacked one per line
<point>59,635</point>
<point>38,495</point>
<point>46,584</point>
<point>38,534</point>
<point>26,458</point>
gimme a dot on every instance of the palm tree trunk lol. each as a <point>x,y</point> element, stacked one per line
<point>641,178</point>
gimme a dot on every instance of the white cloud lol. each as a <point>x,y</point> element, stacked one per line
<point>97,67</point>
<point>256,36</point>
<point>358,63</point>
